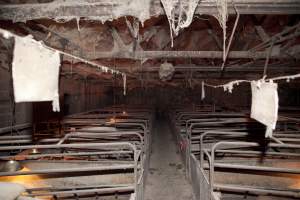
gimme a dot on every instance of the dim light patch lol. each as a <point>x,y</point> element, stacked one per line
<point>29,181</point>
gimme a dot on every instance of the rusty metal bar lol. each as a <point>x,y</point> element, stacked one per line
<point>70,170</point>
<point>186,54</point>
<point>230,41</point>
<point>255,191</point>
<point>16,127</point>
<point>85,191</point>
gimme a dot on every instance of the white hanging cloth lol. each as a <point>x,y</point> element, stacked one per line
<point>202,91</point>
<point>265,104</point>
<point>35,71</point>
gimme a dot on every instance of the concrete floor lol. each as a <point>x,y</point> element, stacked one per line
<point>166,178</point>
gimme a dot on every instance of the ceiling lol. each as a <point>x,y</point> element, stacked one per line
<point>266,38</point>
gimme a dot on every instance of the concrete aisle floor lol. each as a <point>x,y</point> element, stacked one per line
<point>166,178</point>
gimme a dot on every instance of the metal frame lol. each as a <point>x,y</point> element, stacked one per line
<point>213,128</point>
<point>86,143</point>
<point>83,149</point>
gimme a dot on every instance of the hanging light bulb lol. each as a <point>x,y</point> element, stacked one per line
<point>35,151</point>
<point>112,120</point>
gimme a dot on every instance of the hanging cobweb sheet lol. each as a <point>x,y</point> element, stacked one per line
<point>179,13</point>
<point>35,72</point>
<point>265,104</point>
<point>222,17</point>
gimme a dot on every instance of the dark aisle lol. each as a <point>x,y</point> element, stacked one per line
<point>166,178</point>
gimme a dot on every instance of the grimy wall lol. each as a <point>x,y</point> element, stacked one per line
<point>76,95</point>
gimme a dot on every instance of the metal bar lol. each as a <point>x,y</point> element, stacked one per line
<point>221,145</point>
<point>256,153</point>
<point>275,37</point>
<point>187,54</point>
<point>268,59</point>
<point>32,156</point>
<point>230,41</point>
<point>96,135</point>
<point>15,137</point>
<point>229,145</point>
<point>255,191</point>
<point>9,142</point>
<point>257,168</point>
<point>89,145</point>
<point>84,191</point>
<point>16,127</point>
<point>80,169</point>
<point>276,140</point>
<point>39,189</point>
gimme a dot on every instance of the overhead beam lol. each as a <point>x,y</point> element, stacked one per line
<point>193,68</point>
<point>108,9</point>
<point>187,54</point>
<point>282,68</point>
